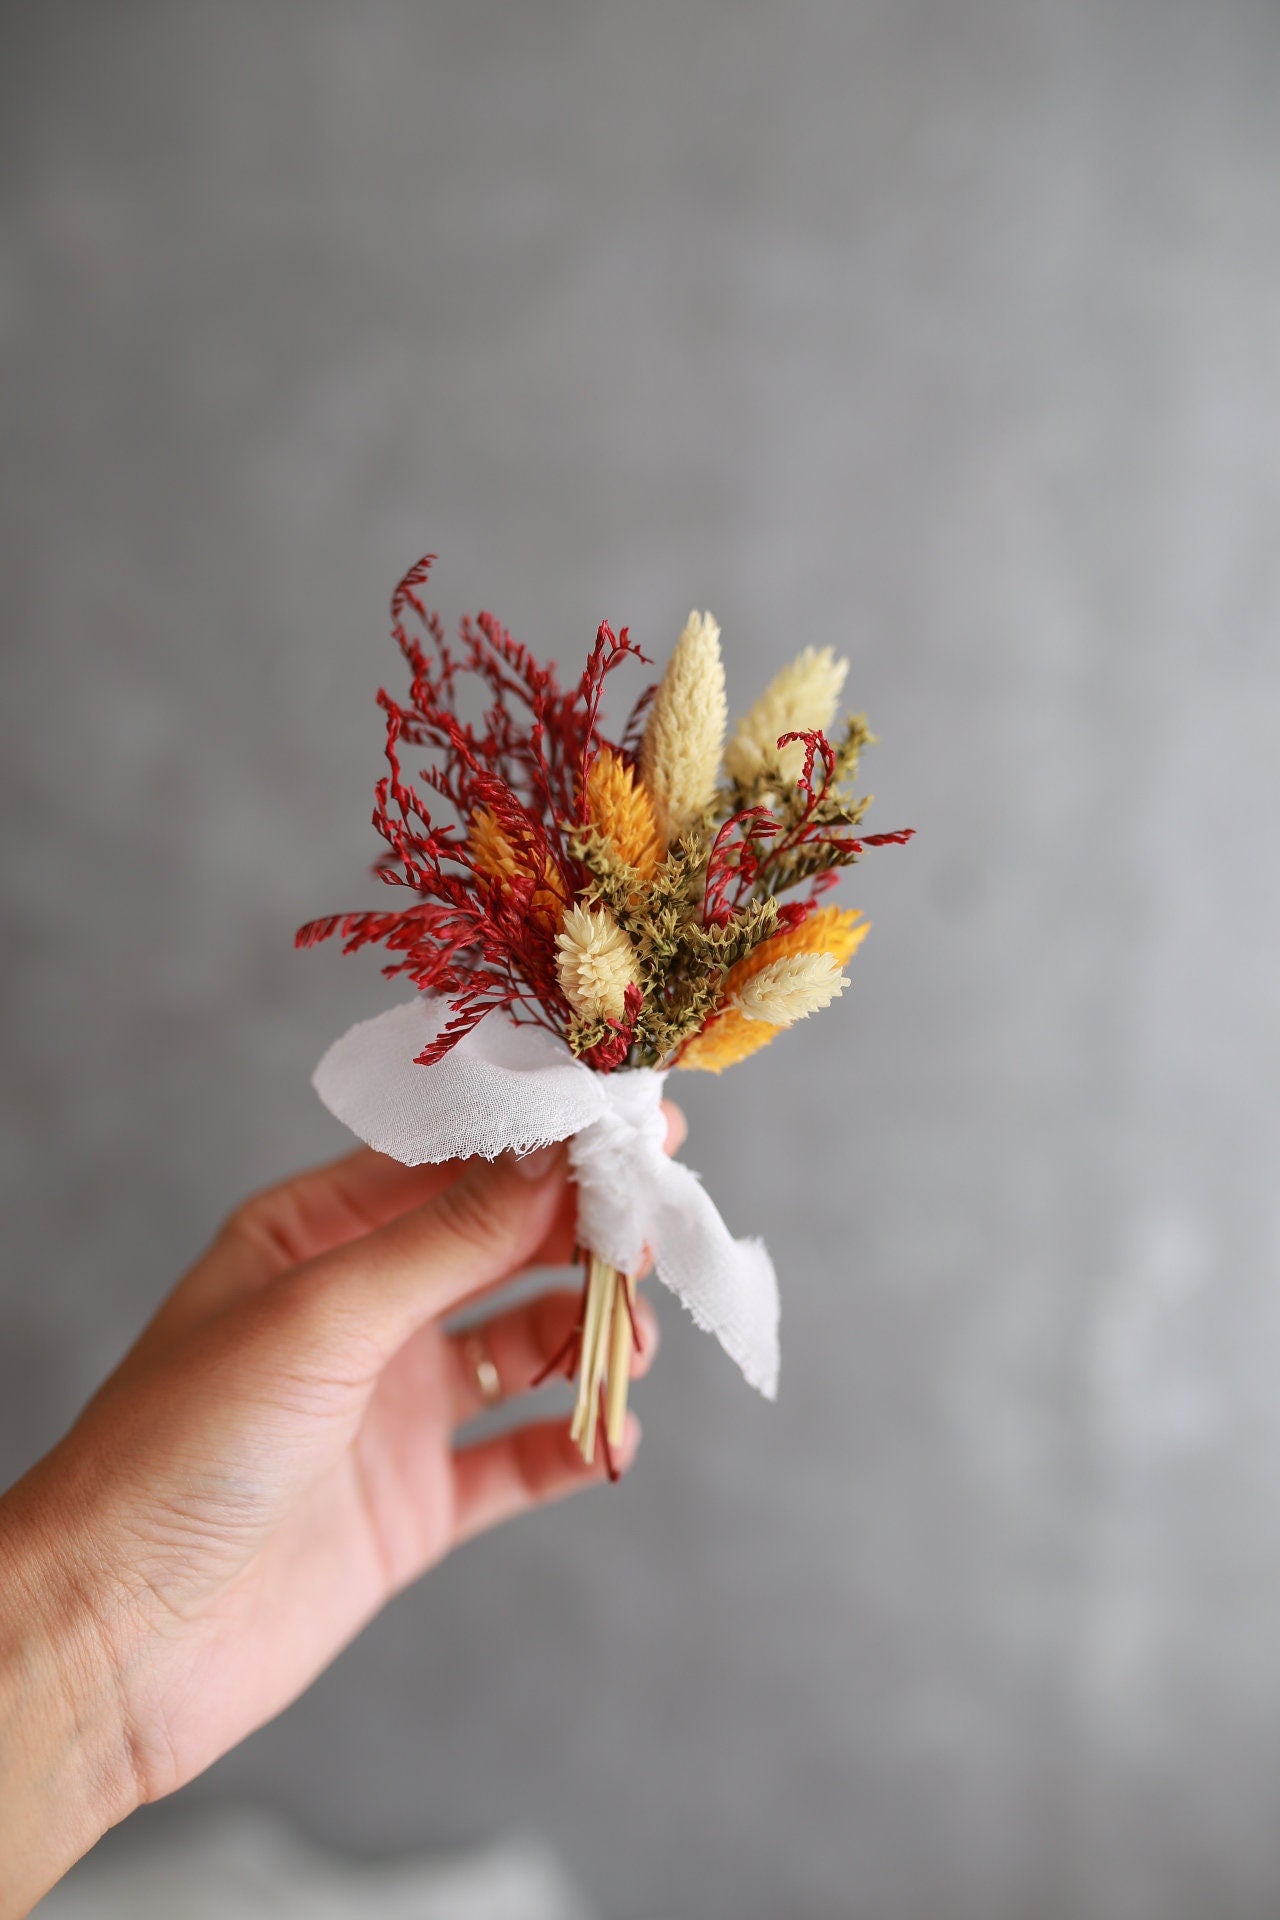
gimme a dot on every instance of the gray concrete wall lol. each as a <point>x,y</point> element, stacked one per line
<point>950,333</point>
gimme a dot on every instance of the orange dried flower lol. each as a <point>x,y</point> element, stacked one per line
<point>621,811</point>
<point>489,846</point>
<point>730,1036</point>
<point>496,858</point>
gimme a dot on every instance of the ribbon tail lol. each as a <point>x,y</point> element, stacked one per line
<point>729,1286</point>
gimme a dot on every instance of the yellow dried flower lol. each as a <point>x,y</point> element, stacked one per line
<point>789,990</point>
<point>727,1038</point>
<point>680,754</point>
<point>621,811</point>
<point>799,699</point>
<point>497,859</point>
<point>489,846</point>
<point>731,1035</point>
<point>597,963</point>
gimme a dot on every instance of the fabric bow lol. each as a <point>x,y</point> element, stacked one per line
<point>508,1087</point>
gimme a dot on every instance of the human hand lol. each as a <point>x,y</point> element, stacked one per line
<point>270,1463</point>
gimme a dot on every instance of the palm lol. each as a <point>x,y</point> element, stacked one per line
<point>308,1477</point>
<point>378,1511</point>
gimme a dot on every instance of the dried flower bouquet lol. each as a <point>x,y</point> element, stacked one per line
<point>595,913</point>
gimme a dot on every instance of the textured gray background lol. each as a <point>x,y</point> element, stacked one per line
<point>950,333</point>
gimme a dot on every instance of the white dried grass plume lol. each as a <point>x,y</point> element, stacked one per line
<point>788,990</point>
<point>800,699</point>
<point>680,755</point>
<point>596,963</point>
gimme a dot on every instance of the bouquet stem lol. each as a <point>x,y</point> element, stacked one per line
<point>608,1336</point>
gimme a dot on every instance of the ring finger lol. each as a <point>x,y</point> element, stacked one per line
<point>499,1358</point>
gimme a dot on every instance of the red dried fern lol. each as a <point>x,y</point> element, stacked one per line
<point>472,938</point>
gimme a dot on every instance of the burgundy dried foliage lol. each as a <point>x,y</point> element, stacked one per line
<point>472,937</point>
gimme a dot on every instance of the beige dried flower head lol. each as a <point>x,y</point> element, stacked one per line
<point>596,964</point>
<point>680,755</point>
<point>800,699</point>
<point>790,989</point>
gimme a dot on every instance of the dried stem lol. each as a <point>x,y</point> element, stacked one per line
<point>604,1366</point>
<point>620,1360</point>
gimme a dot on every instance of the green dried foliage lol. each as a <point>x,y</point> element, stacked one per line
<point>857,735</point>
<point>682,961</point>
<point>585,1034</point>
<point>681,994</point>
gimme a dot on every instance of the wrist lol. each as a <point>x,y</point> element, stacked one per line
<point>65,1773</point>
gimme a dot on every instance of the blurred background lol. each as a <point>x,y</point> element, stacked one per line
<point>948,334</point>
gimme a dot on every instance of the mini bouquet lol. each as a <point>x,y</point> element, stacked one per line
<point>594,913</point>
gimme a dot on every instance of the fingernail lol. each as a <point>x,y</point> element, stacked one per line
<point>533,1166</point>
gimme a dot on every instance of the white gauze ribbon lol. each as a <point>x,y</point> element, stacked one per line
<point>508,1087</point>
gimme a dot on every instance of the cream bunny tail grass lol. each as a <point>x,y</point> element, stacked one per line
<point>680,755</point>
<point>800,699</point>
<point>789,990</point>
<point>596,963</point>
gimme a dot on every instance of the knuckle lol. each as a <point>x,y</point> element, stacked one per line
<point>480,1211</point>
<point>310,1331</point>
<point>266,1224</point>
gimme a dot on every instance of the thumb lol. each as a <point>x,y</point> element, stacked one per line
<point>354,1307</point>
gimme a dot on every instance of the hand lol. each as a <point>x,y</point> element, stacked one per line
<point>272,1461</point>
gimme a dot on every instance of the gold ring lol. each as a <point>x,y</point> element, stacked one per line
<point>475,1351</point>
